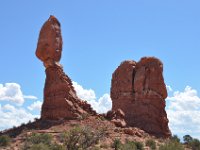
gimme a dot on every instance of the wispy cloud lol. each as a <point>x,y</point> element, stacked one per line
<point>30,97</point>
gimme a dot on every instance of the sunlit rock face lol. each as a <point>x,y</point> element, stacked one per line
<point>60,99</point>
<point>49,47</point>
<point>138,89</point>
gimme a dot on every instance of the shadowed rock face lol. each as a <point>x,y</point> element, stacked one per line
<point>138,89</point>
<point>60,99</point>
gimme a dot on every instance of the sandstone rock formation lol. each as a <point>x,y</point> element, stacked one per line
<point>60,99</point>
<point>138,89</point>
<point>117,117</point>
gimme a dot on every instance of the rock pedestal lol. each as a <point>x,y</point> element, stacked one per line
<point>138,89</point>
<point>60,99</point>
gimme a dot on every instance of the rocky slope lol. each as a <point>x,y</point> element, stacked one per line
<point>95,123</point>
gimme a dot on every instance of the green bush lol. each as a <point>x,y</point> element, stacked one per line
<point>175,138</point>
<point>39,146</point>
<point>139,145</point>
<point>41,142</point>
<point>151,143</point>
<point>82,138</point>
<point>128,145</point>
<point>195,144</point>
<point>36,138</point>
<point>4,140</point>
<point>187,139</point>
<point>171,145</point>
<point>117,144</point>
<point>191,142</point>
<point>56,147</point>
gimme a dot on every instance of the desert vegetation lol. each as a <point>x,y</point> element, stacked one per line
<point>41,142</point>
<point>81,137</point>
<point>151,143</point>
<point>128,145</point>
<point>4,141</point>
<point>77,138</point>
<point>191,142</point>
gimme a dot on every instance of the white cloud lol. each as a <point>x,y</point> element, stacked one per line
<point>12,92</point>
<point>35,106</point>
<point>13,116</point>
<point>169,88</point>
<point>102,105</point>
<point>30,97</point>
<point>184,112</point>
<point>86,94</point>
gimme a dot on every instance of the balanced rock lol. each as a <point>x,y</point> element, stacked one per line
<point>49,47</point>
<point>138,89</point>
<point>60,99</point>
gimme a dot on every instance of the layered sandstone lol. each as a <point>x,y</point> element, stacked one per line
<point>60,99</point>
<point>138,89</point>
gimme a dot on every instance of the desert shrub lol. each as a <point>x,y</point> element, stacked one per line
<point>191,142</point>
<point>195,144</point>
<point>39,146</point>
<point>187,139</point>
<point>151,143</point>
<point>139,145</point>
<point>4,140</point>
<point>82,137</point>
<point>36,138</point>
<point>41,142</point>
<point>175,138</point>
<point>117,144</point>
<point>56,146</point>
<point>128,145</point>
<point>171,145</point>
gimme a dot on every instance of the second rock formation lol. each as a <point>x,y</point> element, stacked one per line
<point>138,89</point>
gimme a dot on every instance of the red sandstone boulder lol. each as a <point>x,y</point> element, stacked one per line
<point>60,99</point>
<point>117,117</point>
<point>119,122</point>
<point>138,89</point>
<point>49,47</point>
<point>134,131</point>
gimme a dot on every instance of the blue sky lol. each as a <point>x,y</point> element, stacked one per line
<point>98,36</point>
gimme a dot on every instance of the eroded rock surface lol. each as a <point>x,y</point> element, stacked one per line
<point>60,99</point>
<point>138,89</point>
<point>117,117</point>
